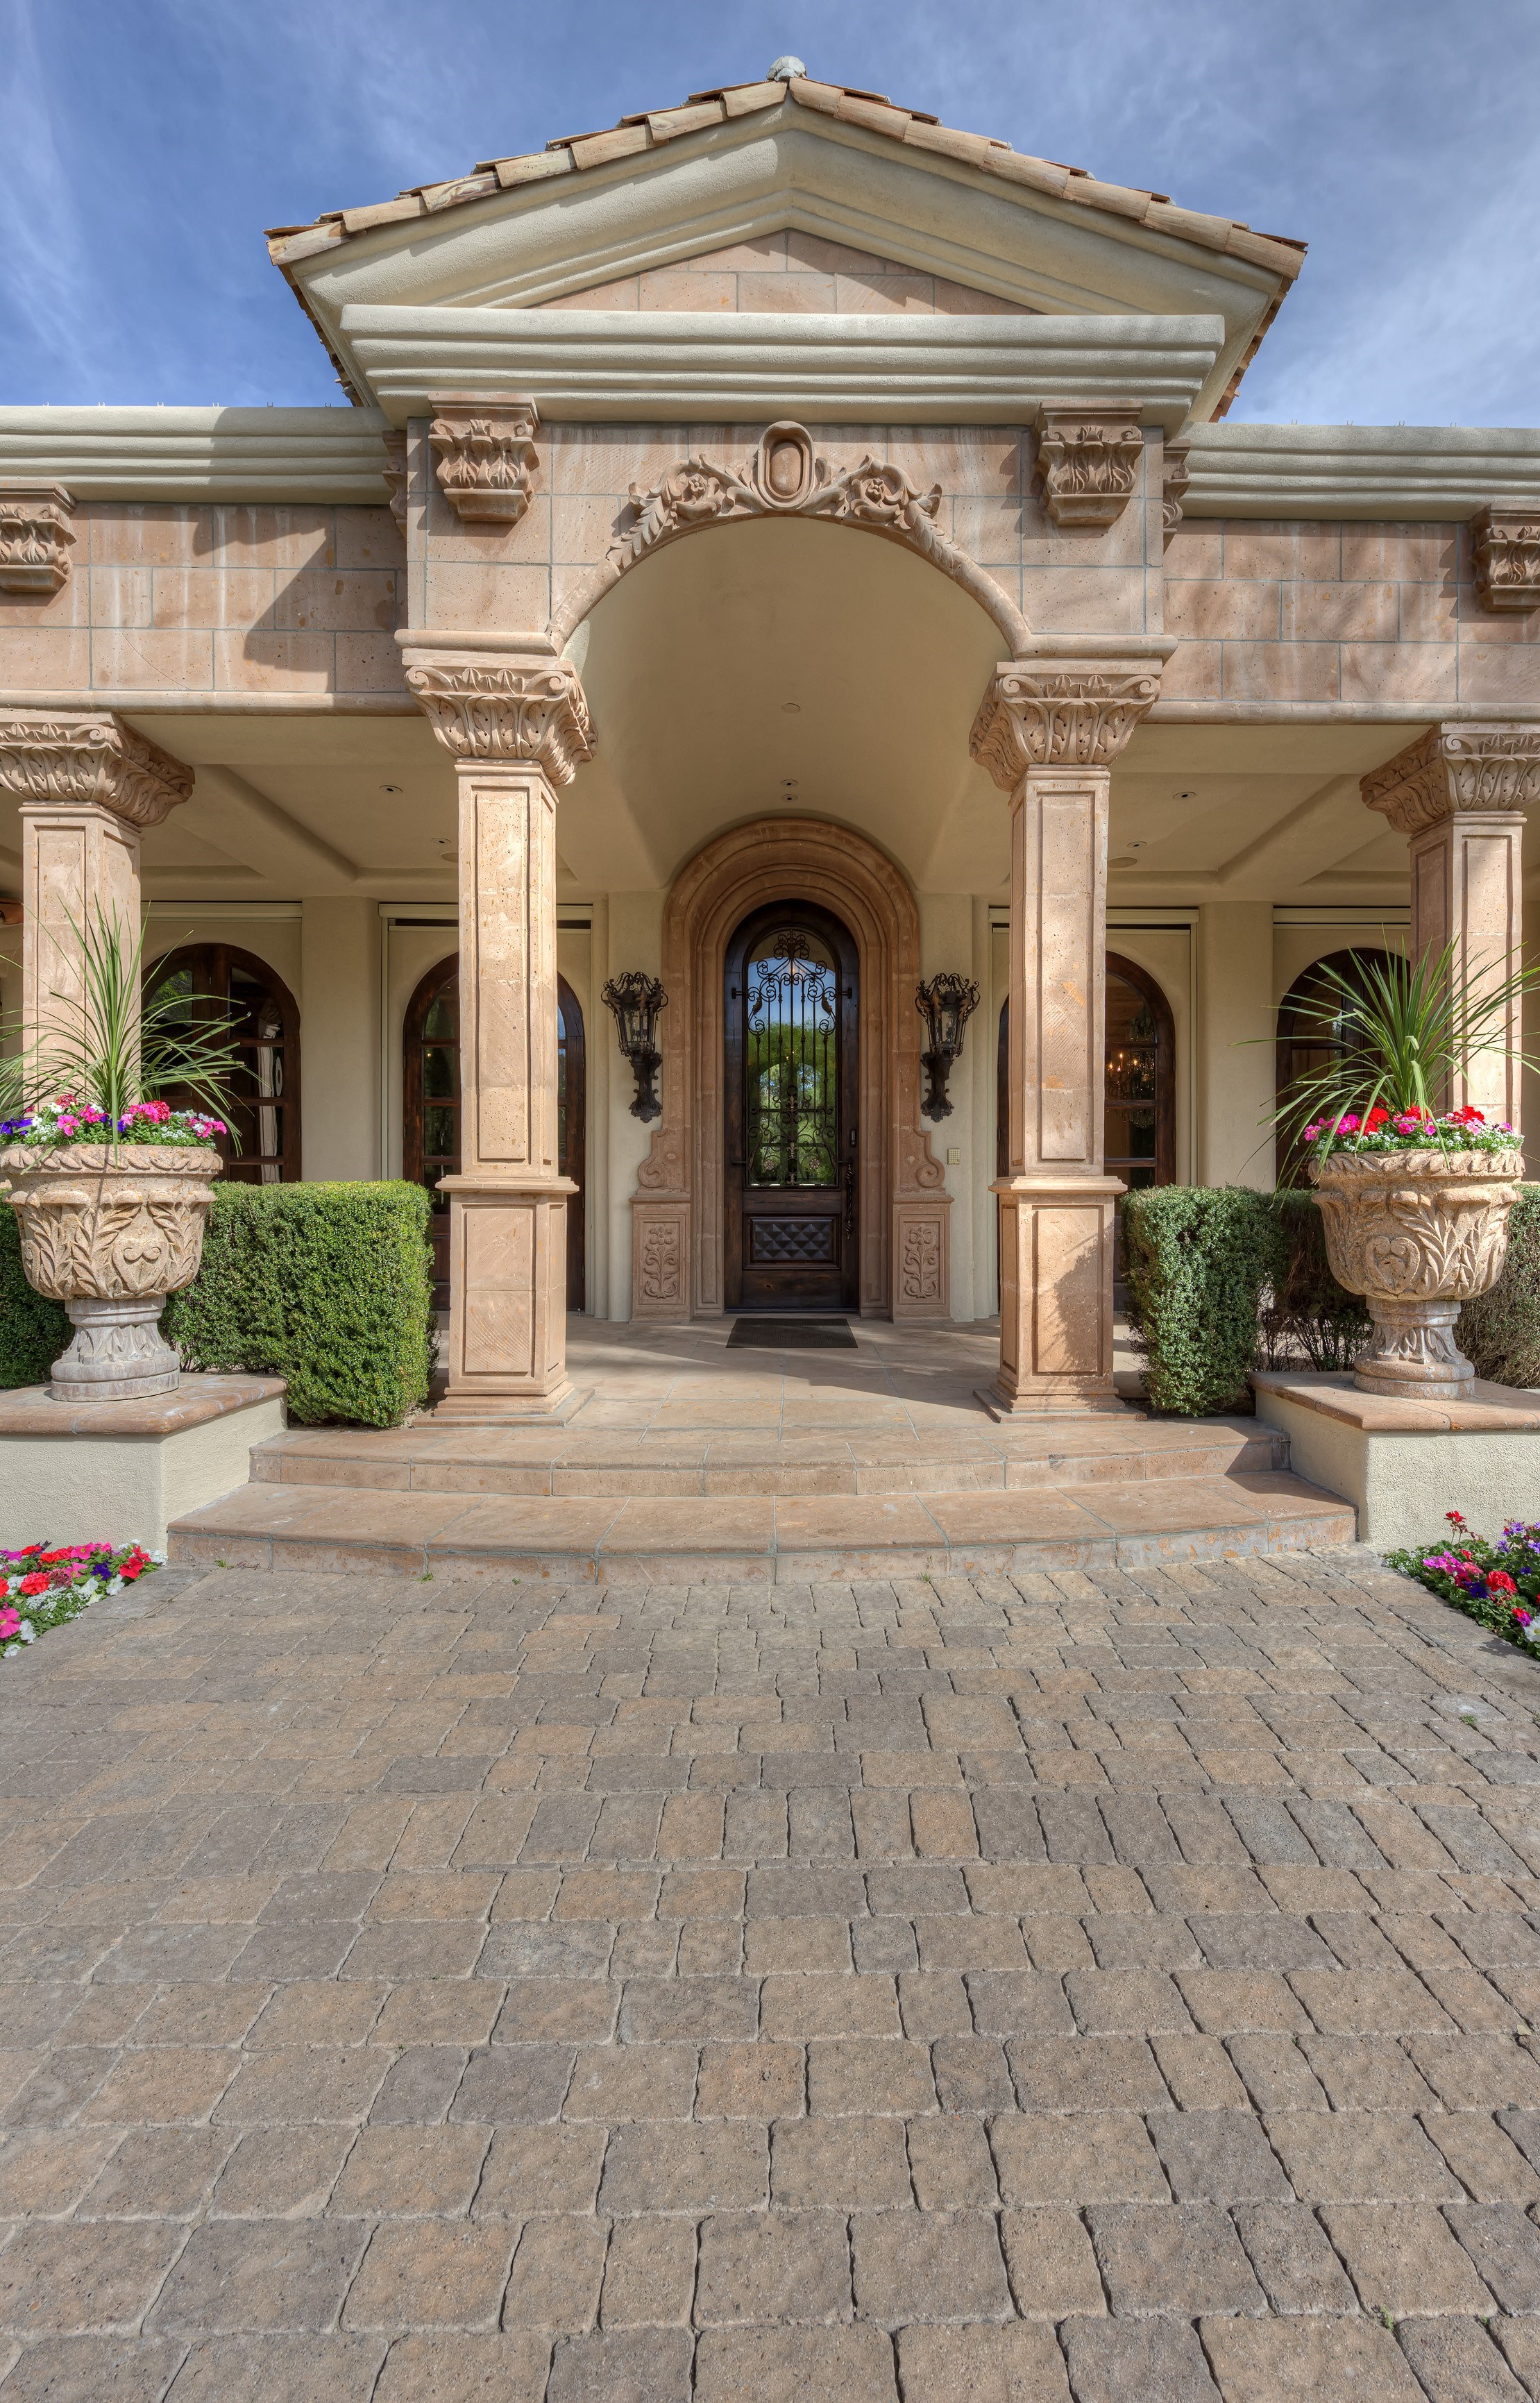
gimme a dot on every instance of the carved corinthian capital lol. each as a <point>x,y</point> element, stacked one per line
<point>1089,460</point>
<point>502,709</point>
<point>1059,714</point>
<point>487,457</point>
<point>1452,769</point>
<point>36,534</point>
<point>46,755</point>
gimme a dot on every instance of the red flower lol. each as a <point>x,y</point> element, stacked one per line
<point>36,1583</point>
<point>1375,1120</point>
<point>46,1559</point>
<point>1454,1519</point>
<point>1466,1116</point>
<point>1501,1582</point>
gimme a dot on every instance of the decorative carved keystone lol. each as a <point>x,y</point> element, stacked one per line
<point>1451,770</point>
<point>91,757</point>
<point>1061,714</point>
<point>505,710</point>
<point>1174,479</point>
<point>36,534</point>
<point>1089,460</point>
<point>487,457</point>
<point>1505,557</point>
<point>397,477</point>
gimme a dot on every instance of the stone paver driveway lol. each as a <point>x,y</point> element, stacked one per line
<point>1118,1989</point>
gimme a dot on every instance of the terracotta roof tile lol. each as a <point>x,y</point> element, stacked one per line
<point>1278,254</point>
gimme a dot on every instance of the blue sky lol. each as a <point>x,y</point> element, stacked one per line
<point>148,142</point>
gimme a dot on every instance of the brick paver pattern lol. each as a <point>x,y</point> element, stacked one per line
<point>1107,1987</point>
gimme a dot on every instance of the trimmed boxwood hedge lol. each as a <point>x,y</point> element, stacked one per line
<point>329,1286</point>
<point>1224,1279</point>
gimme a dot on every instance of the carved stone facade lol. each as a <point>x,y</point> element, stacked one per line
<point>1418,1234</point>
<point>903,1208</point>
<point>484,707</point>
<point>486,458</point>
<point>1059,712</point>
<point>1176,476</point>
<point>1505,557</point>
<point>1453,769</point>
<point>92,757</point>
<point>1089,460</point>
<point>397,475</point>
<point>786,477</point>
<point>36,535</point>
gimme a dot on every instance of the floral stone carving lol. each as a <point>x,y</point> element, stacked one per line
<point>1417,1234</point>
<point>110,1234</point>
<point>1505,557</point>
<point>36,534</point>
<point>1089,460</point>
<point>487,458</point>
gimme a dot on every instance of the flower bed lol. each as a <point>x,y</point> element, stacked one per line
<point>42,1586</point>
<point>64,1119</point>
<point>1496,1583</point>
<point>1416,1130</point>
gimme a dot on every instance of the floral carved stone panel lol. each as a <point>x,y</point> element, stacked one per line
<point>487,458</point>
<point>36,534</point>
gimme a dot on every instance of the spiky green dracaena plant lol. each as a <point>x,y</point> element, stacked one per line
<point>1416,1025</point>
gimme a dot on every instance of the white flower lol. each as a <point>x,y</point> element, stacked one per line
<point>8,1651</point>
<point>160,1559</point>
<point>117,1586</point>
<point>26,1632</point>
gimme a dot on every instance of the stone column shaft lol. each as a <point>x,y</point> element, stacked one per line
<point>1460,794</point>
<point>517,728</point>
<point>87,784</point>
<point>1048,731</point>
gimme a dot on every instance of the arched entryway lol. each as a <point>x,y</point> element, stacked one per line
<point>792,1103</point>
<point>901,1207</point>
<point>1306,1043</point>
<point>209,982</point>
<point>430,1121</point>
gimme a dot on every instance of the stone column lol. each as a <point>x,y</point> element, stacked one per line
<point>1460,794</point>
<point>1048,731</point>
<point>518,727</point>
<point>88,785</point>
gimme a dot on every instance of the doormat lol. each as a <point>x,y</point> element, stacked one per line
<point>791,1335</point>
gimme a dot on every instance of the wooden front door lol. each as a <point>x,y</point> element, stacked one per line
<point>792,1167</point>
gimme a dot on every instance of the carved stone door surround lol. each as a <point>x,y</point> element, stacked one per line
<point>903,1209</point>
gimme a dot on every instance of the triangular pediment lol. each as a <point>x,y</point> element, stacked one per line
<point>856,193</point>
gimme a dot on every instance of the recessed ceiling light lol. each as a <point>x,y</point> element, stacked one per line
<point>792,708</point>
<point>789,783</point>
<point>390,788</point>
<point>1190,795</point>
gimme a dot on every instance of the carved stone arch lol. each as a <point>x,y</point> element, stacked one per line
<point>903,1206</point>
<point>786,477</point>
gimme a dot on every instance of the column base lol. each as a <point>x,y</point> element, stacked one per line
<point>1056,1277</point>
<point>507,1339</point>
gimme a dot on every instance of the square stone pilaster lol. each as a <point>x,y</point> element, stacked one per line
<point>87,785</point>
<point>516,725</point>
<point>1048,731</point>
<point>1460,794</point>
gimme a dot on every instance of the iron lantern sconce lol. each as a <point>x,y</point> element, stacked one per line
<point>946,1005</point>
<point>636,1000</point>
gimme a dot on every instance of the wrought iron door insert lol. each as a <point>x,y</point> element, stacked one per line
<point>792,1164</point>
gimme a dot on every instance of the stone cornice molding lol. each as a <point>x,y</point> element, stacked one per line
<point>1505,557</point>
<point>1061,713</point>
<point>505,711</point>
<point>785,477</point>
<point>199,454</point>
<point>1455,769</point>
<point>36,534</point>
<point>1371,472</point>
<point>92,758</point>
<point>486,457</point>
<point>1088,459</point>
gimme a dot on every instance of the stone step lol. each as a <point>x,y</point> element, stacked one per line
<point>617,1466</point>
<point>795,1539</point>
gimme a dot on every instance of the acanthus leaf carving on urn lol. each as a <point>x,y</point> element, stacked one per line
<point>503,709</point>
<point>104,1227</point>
<point>36,534</point>
<point>786,477</point>
<point>1089,460</point>
<point>90,757</point>
<point>1060,713</point>
<point>1505,557</point>
<point>1454,768</point>
<point>486,458</point>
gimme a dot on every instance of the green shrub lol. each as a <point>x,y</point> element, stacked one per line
<point>1198,1258</point>
<point>1501,1331</point>
<point>1305,1312</point>
<point>32,1331</point>
<point>329,1286</point>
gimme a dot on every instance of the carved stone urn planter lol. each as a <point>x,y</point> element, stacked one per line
<point>1416,1233</point>
<point>110,1235</point>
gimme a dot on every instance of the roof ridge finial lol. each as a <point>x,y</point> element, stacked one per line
<point>786,70</point>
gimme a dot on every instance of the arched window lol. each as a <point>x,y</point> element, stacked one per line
<point>430,1125</point>
<point>218,980</point>
<point>1307,1044</point>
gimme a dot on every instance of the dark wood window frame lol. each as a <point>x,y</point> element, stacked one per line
<point>1293,1041</point>
<point>1165,1092</point>
<point>210,964</point>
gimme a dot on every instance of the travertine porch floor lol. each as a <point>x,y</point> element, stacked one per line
<point>787,1466</point>
<point>1116,1986</point>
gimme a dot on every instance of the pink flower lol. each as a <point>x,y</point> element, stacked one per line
<point>10,1621</point>
<point>1348,1125</point>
